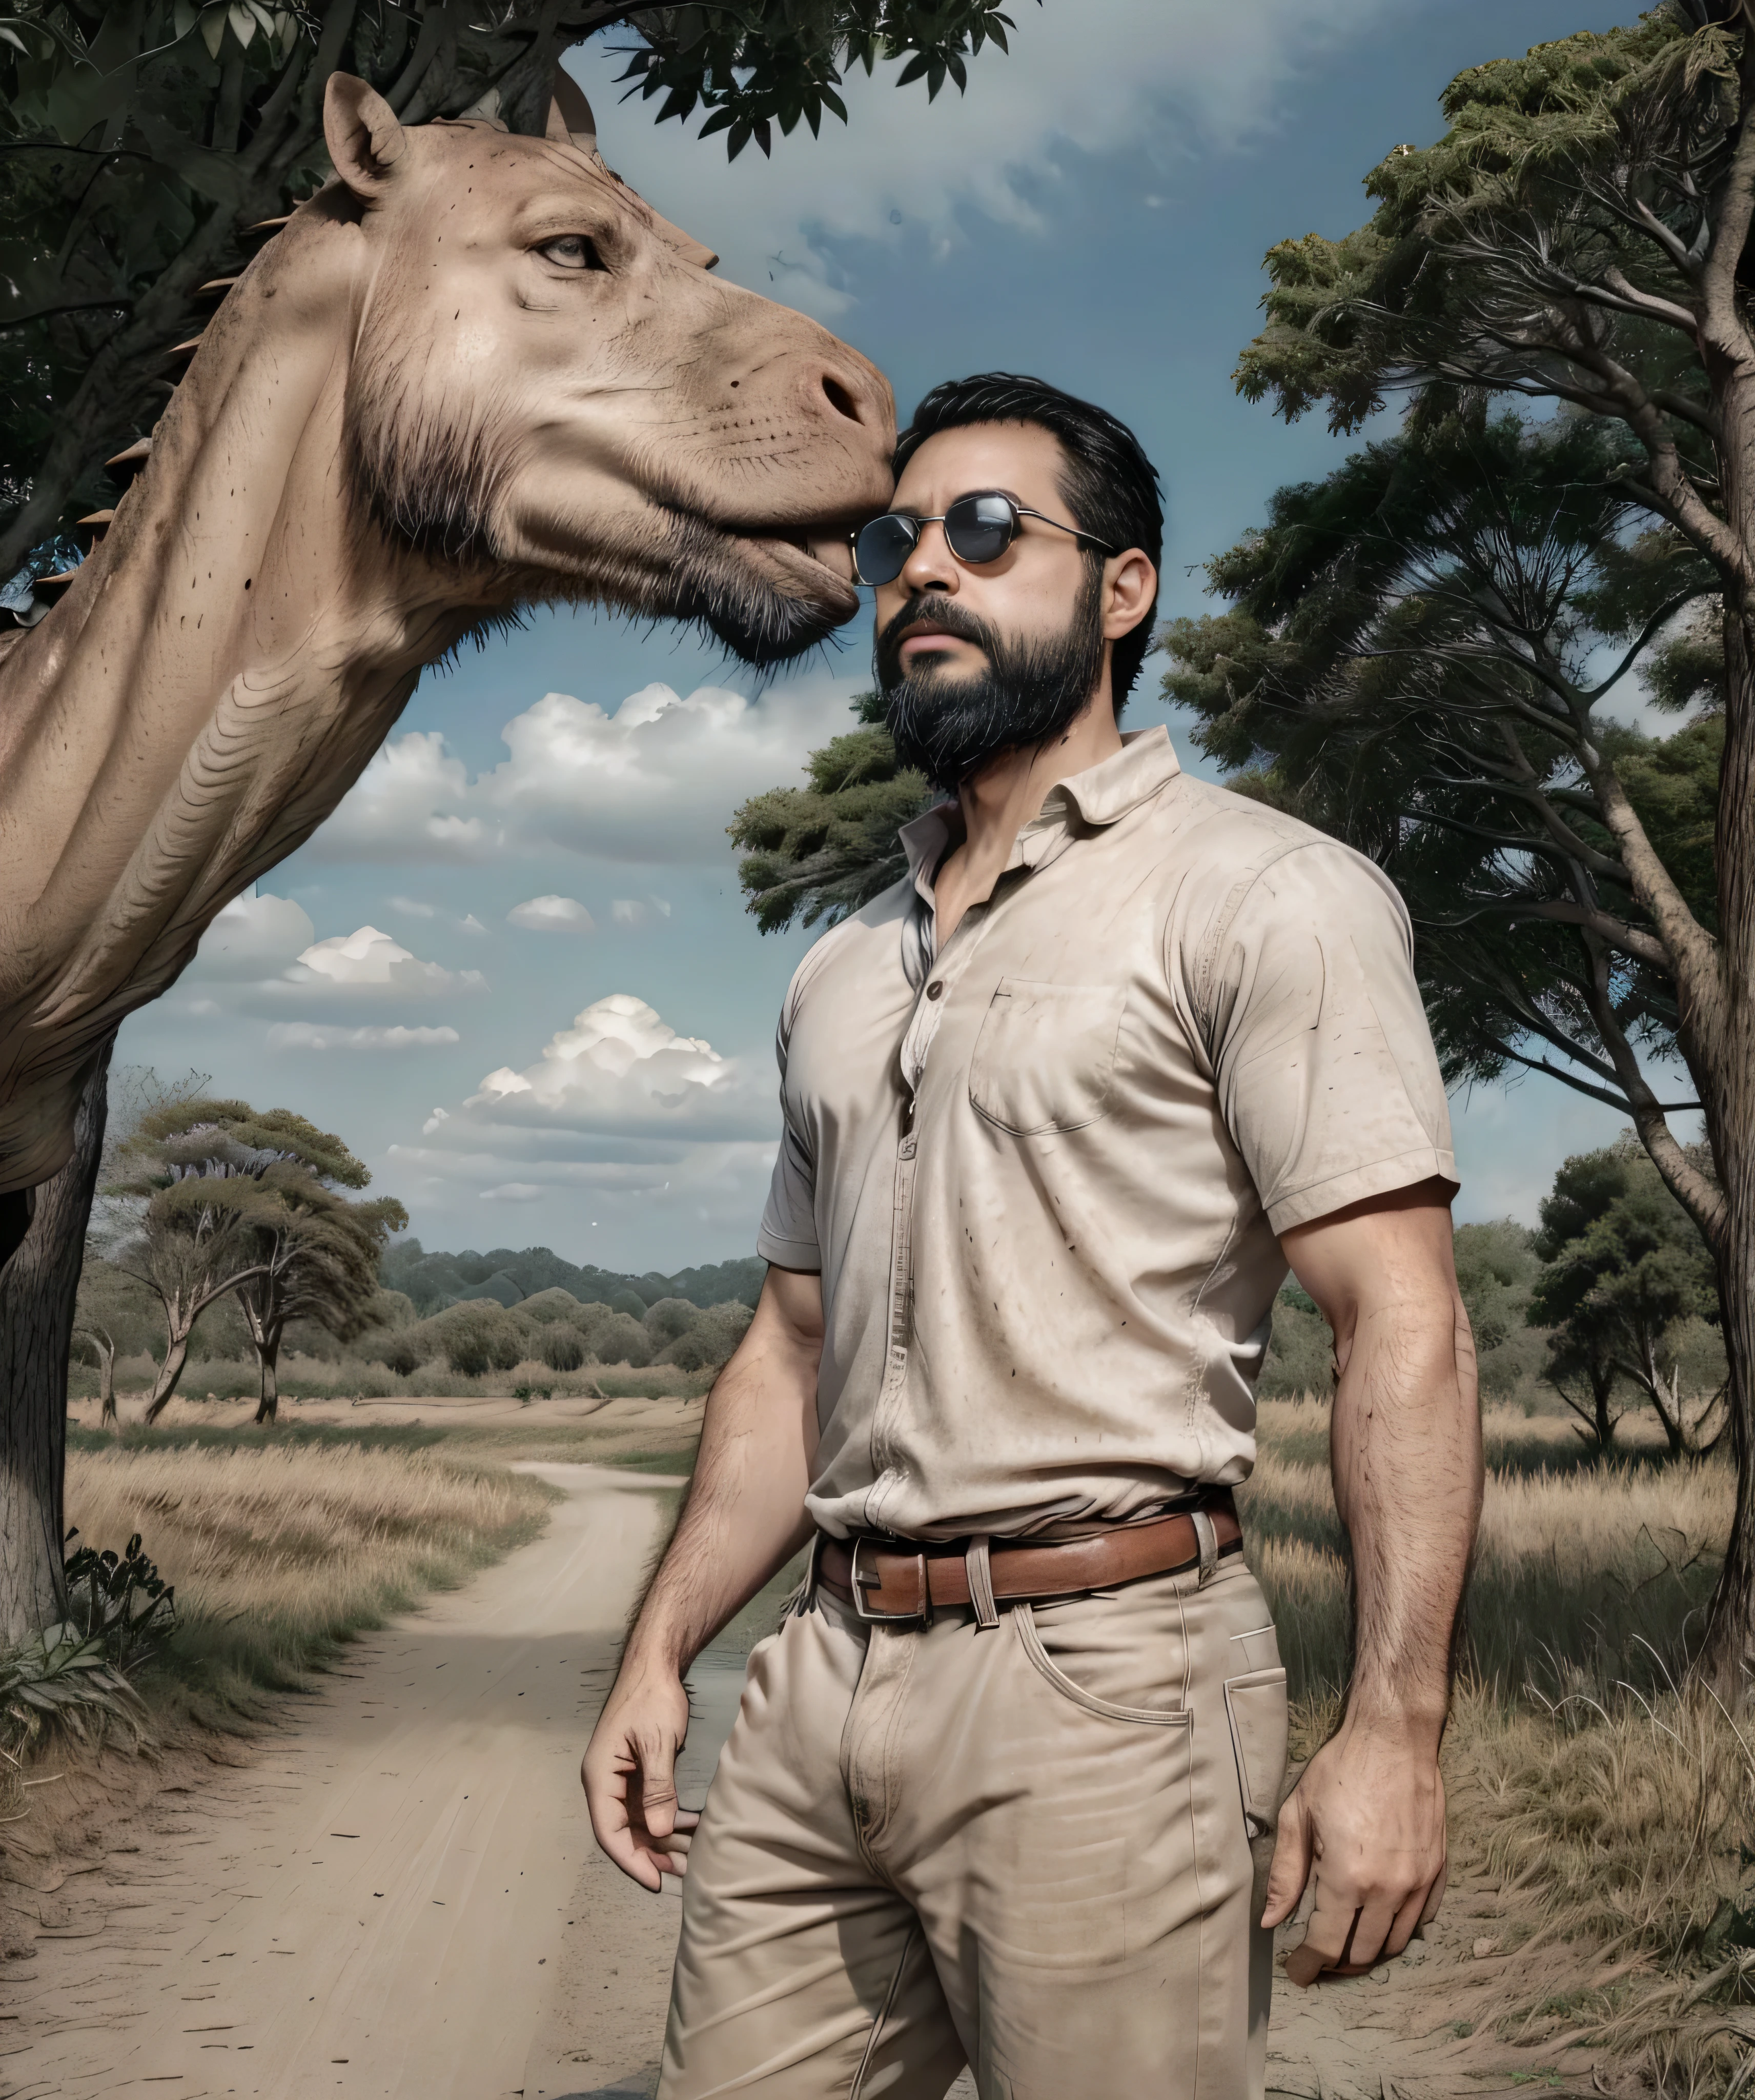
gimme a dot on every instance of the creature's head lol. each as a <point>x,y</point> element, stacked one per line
<point>548,384</point>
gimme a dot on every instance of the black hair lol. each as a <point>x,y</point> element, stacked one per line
<point>1110,487</point>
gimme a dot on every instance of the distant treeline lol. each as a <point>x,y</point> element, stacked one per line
<point>431,1281</point>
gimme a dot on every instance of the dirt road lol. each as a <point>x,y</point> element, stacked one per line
<point>388,1900</point>
<point>398,1897</point>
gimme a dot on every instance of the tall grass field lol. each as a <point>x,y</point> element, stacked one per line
<point>281,1554</point>
<point>1617,1815</point>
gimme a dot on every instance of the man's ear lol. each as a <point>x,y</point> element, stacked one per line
<point>364,138</point>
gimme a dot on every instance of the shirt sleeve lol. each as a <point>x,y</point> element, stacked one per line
<point>788,1235</point>
<point>1327,1079</point>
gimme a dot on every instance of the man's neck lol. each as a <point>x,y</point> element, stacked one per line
<point>997,803</point>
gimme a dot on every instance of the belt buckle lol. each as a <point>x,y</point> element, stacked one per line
<point>860,1583</point>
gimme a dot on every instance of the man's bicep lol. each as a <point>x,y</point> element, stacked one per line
<point>791,1300</point>
<point>1392,1248</point>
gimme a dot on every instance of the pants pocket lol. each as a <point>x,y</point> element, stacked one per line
<point>1256,1706</point>
<point>1108,1709</point>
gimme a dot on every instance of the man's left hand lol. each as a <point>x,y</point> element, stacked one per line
<point>1367,1823</point>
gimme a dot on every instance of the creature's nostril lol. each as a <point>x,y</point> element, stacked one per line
<point>839,399</point>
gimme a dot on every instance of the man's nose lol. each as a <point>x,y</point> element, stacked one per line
<point>931,566</point>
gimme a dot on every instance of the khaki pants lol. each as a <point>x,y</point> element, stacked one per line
<point>1027,1847</point>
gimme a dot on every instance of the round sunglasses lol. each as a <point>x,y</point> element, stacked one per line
<point>978,528</point>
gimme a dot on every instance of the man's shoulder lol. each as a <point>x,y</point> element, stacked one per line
<point>868,939</point>
<point>1222,825</point>
<point>1218,843</point>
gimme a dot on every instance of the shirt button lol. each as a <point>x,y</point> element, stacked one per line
<point>935,989</point>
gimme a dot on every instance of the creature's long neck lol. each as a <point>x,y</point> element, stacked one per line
<point>214,680</point>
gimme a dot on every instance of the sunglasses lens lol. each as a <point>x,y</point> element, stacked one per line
<point>884,546</point>
<point>979,528</point>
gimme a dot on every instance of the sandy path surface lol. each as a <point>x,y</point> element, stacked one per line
<point>398,1894</point>
<point>383,1902</point>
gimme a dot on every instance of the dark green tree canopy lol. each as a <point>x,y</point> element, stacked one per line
<point>138,143</point>
<point>825,851</point>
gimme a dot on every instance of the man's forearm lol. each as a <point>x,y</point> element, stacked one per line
<point>1406,1453</point>
<point>1365,1823</point>
<point>744,1514</point>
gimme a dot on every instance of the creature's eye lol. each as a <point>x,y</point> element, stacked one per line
<point>573,251</point>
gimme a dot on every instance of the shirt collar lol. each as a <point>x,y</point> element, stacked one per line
<point>1100,795</point>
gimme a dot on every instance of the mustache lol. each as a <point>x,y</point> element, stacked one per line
<point>943,612</point>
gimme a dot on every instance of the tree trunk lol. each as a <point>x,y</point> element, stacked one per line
<point>1666,1405</point>
<point>107,1386</point>
<point>268,1356</point>
<point>165,1385</point>
<point>37,1287</point>
<point>1601,1391</point>
<point>1727,1653</point>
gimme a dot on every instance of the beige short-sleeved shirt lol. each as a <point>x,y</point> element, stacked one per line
<point>1043,1172</point>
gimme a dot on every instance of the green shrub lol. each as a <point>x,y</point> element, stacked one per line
<point>563,1348</point>
<point>547,1307</point>
<point>669,1320</point>
<point>621,1339</point>
<point>693,1352</point>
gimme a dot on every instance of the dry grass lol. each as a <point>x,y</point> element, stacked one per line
<point>1611,1812</point>
<point>280,1554</point>
<point>1586,1577</point>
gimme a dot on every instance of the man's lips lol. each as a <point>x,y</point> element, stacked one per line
<point>925,637</point>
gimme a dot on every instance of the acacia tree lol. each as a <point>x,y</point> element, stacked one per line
<point>207,1205</point>
<point>1625,1267</point>
<point>319,1252</point>
<point>1580,236</point>
<point>140,144</point>
<point>110,1315</point>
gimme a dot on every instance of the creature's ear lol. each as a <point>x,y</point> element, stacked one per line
<point>570,118</point>
<point>364,138</point>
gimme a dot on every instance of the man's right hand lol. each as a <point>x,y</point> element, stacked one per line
<point>629,1776</point>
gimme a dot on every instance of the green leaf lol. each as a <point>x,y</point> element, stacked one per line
<point>212,29</point>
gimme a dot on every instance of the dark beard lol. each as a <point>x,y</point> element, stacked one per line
<point>949,727</point>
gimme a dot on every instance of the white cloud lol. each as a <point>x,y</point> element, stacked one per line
<point>627,911</point>
<point>251,936</point>
<point>620,1075</point>
<point>366,962</point>
<point>412,907</point>
<point>553,914</point>
<point>313,1035</point>
<point>654,782</point>
<point>657,780</point>
<point>1177,77</point>
<point>515,1192</point>
<point>407,798</point>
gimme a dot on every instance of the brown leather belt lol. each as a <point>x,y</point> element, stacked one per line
<point>887,1580</point>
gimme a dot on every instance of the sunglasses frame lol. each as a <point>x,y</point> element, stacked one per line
<point>1018,511</point>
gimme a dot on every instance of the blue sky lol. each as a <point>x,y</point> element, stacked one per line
<point>544,830</point>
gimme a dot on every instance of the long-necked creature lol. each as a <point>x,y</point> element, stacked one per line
<point>474,370</point>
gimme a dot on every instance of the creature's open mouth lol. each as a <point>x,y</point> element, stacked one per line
<point>783,595</point>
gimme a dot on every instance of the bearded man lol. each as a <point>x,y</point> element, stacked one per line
<point>1060,1109</point>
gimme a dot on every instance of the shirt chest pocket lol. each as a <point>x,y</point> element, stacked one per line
<point>1045,1058</point>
